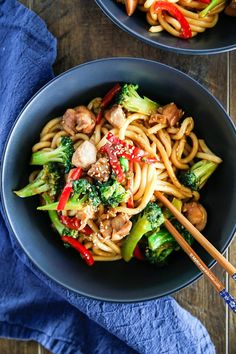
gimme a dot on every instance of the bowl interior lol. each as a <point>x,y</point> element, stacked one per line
<point>215,40</point>
<point>118,281</point>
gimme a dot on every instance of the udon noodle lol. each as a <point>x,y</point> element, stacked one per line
<point>174,148</point>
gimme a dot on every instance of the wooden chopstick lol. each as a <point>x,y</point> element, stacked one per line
<point>230,301</point>
<point>229,268</point>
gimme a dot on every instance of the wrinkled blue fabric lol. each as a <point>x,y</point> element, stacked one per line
<point>34,307</point>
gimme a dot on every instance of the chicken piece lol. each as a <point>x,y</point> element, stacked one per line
<point>169,114</point>
<point>85,155</point>
<point>84,215</point>
<point>121,226</point>
<point>157,118</point>
<point>230,10</point>
<point>115,116</point>
<point>100,170</point>
<point>105,228</point>
<point>80,119</point>
<point>196,214</point>
<point>116,228</point>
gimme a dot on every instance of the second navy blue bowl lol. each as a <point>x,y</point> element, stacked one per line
<point>118,281</point>
<point>218,39</point>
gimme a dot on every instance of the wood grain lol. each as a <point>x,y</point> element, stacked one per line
<point>232,250</point>
<point>18,347</point>
<point>84,33</point>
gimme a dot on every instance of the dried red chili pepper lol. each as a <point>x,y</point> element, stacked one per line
<point>106,100</point>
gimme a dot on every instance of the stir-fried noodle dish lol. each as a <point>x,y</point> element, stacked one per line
<point>181,18</point>
<point>97,168</point>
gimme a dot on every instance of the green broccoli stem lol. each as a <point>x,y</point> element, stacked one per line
<point>72,204</point>
<point>203,170</point>
<point>177,204</point>
<point>143,107</point>
<point>197,175</point>
<point>43,157</point>
<point>47,180</point>
<point>38,186</point>
<point>140,228</point>
<point>54,216</point>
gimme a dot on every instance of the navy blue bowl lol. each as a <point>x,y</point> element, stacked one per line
<point>118,281</point>
<point>219,39</point>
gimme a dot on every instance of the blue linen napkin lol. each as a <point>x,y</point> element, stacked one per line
<point>33,307</point>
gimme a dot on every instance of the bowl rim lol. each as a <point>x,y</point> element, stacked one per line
<point>156,44</point>
<point>9,218</point>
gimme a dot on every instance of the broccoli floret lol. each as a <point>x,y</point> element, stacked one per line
<point>83,191</point>
<point>112,193</point>
<point>157,239</point>
<point>161,244</point>
<point>160,256</point>
<point>62,154</point>
<point>197,175</point>
<point>83,187</point>
<point>183,231</point>
<point>129,99</point>
<point>69,232</point>
<point>48,180</point>
<point>61,229</point>
<point>150,219</point>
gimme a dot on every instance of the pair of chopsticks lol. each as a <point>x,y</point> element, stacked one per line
<point>229,268</point>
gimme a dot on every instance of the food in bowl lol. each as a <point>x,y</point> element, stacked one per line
<point>181,18</point>
<point>101,165</point>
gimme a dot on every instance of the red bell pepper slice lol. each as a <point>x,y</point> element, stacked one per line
<point>75,173</point>
<point>130,185</point>
<point>116,148</point>
<point>74,223</point>
<point>128,151</point>
<point>65,195</point>
<point>175,12</point>
<point>138,254</point>
<point>205,1</point>
<point>114,162</point>
<point>86,254</point>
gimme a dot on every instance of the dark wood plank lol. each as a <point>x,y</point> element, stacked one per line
<point>232,317</point>
<point>42,350</point>
<point>84,33</point>
<point>232,251</point>
<point>11,346</point>
<point>18,347</point>
<point>202,300</point>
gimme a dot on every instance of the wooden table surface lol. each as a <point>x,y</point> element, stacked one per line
<point>84,33</point>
